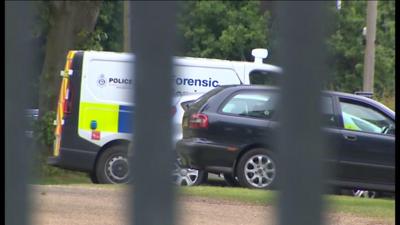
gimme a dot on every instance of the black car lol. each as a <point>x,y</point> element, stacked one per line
<point>231,130</point>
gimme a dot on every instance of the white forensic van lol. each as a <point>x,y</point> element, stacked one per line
<point>94,113</point>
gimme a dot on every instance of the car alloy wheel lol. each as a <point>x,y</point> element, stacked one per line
<point>260,171</point>
<point>185,176</point>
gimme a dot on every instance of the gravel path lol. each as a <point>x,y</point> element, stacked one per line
<point>76,205</point>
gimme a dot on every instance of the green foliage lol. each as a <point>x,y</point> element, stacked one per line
<point>110,22</point>
<point>222,29</point>
<point>91,40</point>
<point>43,18</point>
<point>108,33</point>
<point>44,129</point>
<point>347,47</point>
<point>387,100</point>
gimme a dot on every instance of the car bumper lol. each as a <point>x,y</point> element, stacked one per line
<point>204,155</point>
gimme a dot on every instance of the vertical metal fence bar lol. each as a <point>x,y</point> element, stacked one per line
<point>153,34</point>
<point>301,33</point>
<point>19,64</point>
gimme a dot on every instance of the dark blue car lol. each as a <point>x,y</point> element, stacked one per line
<point>232,129</point>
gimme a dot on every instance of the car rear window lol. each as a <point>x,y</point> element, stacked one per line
<point>204,98</point>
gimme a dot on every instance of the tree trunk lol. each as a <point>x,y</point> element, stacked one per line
<point>69,18</point>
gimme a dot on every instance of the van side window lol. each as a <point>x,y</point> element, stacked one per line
<point>251,104</point>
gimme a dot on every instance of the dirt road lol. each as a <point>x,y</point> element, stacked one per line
<point>75,205</point>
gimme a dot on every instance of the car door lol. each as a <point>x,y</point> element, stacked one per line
<point>332,134</point>
<point>367,153</point>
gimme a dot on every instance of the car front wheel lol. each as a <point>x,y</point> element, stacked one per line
<point>257,169</point>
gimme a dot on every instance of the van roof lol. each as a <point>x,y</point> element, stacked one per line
<point>193,61</point>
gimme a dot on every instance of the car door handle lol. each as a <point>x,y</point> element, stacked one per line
<point>350,137</point>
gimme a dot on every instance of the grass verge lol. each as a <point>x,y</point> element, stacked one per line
<point>60,176</point>
<point>372,208</point>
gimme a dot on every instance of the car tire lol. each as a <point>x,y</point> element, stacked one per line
<point>257,169</point>
<point>188,177</point>
<point>231,180</point>
<point>112,166</point>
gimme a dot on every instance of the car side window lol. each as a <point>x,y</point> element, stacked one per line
<point>251,104</point>
<point>360,117</point>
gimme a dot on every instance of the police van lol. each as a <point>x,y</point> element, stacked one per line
<point>95,107</point>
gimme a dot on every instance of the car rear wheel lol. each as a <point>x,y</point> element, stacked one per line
<point>257,169</point>
<point>112,166</point>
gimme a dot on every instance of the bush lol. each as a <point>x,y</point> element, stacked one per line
<point>44,129</point>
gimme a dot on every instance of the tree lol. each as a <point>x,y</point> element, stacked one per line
<point>69,25</point>
<point>347,47</point>
<point>110,26</point>
<point>222,29</point>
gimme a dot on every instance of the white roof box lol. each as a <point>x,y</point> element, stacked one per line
<point>259,54</point>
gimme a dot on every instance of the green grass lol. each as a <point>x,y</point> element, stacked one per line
<point>259,197</point>
<point>379,208</point>
<point>53,175</point>
<point>373,208</point>
<point>63,179</point>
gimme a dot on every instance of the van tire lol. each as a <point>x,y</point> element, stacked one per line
<point>112,165</point>
<point>264,170</point>
<point>93,178</point>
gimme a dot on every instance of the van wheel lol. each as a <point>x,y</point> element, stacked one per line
<point>93,178</point>
<point>112,166</point>
<point>257,169</point>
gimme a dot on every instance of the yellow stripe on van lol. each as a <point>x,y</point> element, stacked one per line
<point>60,106</point>
<point>105,115</point>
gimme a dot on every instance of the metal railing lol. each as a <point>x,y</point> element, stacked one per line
<point>19,62</point>
<point>153,41</point>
